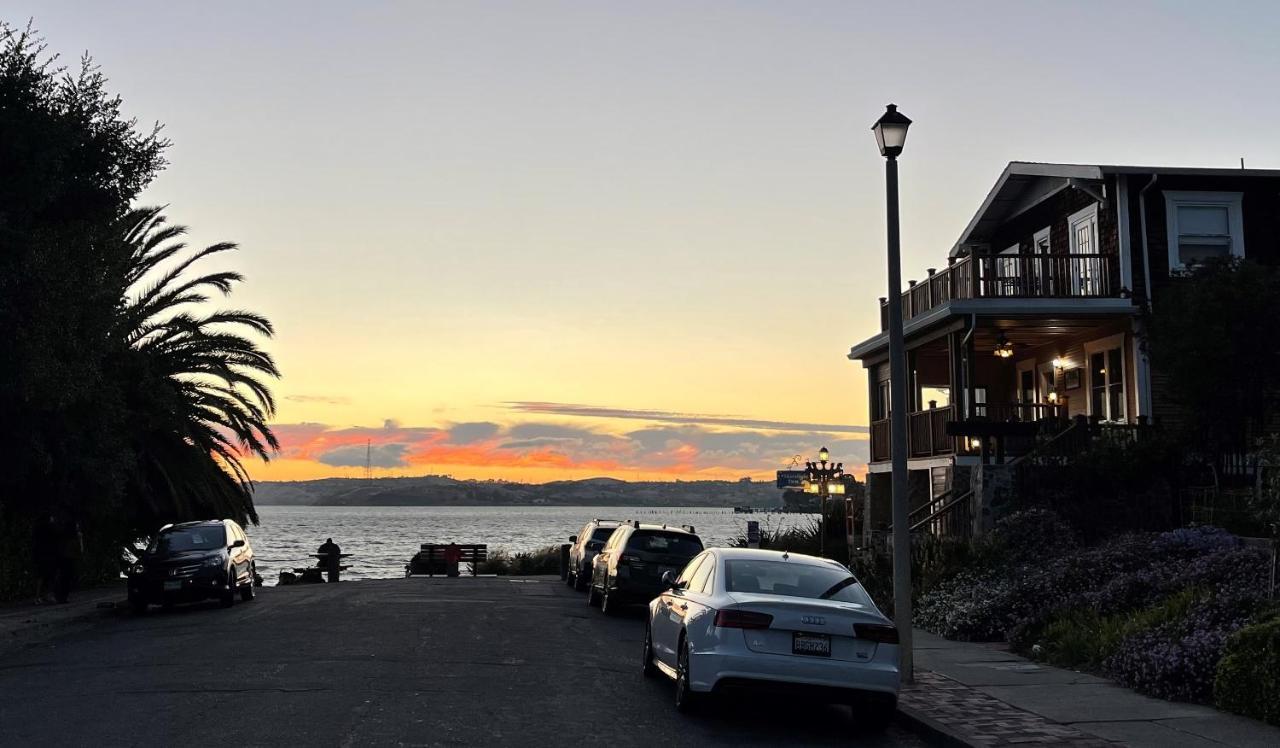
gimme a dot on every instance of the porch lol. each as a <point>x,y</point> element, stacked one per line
<point>1017,377</point>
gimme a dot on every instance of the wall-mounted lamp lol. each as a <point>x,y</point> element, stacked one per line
<point>1059,363</point>
<point>975,443</point>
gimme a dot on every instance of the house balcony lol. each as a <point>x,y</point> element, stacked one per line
<point>1027,276</point>
<point>927,429</point>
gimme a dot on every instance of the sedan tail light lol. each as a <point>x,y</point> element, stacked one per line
<point>742,619</point>
<point>881,633</point>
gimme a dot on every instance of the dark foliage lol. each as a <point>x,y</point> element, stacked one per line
<point>1248,676</point>
<point>1216,311</point>
<point>119,408</point>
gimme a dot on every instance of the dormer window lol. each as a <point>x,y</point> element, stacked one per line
<point>1203,226</point>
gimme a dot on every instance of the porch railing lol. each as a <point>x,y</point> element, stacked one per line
<point>927,429</point>
<point>1078,276</point>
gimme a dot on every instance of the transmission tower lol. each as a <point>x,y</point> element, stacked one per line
<point>368,459</point>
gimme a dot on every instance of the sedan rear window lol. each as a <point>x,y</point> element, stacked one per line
<point>189,539</point>
<point>670,543</point>
<point>794,580</point>
<point>602,533</point>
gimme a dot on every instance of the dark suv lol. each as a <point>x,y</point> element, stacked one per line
<point>629,568</point>
<point>589,540</point>
<point>193,561</point>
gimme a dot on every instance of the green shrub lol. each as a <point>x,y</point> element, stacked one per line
<point>1083,638</point>
<point>1248,676</point>
<point>542,561</point>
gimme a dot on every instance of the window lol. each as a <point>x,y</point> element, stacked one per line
<point>691,570</point>
<point>794,580</point>
<point>1203,226</point>
<point>1007,272</point>
<point>1040,243</point>
<point>1041,267</point>
<point>1106,378</point>
<point>671,543</point>
<point>882,400</point>
<point>698,583</point>
<point>1084,272</point>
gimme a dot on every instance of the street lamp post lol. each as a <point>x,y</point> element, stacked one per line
<point>820,476</point>
<point>891,135</point>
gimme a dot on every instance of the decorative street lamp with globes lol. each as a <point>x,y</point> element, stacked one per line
<point>891,136</point>
<point>823,481</point>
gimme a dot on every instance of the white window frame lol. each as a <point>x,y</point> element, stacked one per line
<point>1081,272</point>
<point>1035,241</point>
<point>1102,345</point>
<point>1232,201</point>
<point>1006,270</point>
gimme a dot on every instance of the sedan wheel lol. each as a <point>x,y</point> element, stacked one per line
<point>686,698</point>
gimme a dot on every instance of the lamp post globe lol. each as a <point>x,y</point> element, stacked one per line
<point>891,131</point>
<point>823,455</point>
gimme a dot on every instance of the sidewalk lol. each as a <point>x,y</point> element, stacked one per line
<point>25,622</point>
<point>982,694</point>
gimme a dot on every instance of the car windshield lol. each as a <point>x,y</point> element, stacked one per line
<point>794,580</point>
<point>190,539</point>
<point>670,543</point>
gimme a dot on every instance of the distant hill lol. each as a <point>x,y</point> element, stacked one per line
<point>442,491</point>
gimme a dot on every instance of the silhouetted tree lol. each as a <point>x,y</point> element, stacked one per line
<point>120,404</point>
<point>194,384</point>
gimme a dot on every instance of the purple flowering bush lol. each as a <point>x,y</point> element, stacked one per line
<point>1178,660</point>
<point>1152,610</point>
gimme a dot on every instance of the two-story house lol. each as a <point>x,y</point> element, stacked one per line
<point>1034,318</point>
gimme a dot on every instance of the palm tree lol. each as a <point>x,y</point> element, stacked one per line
<point>196,383</point>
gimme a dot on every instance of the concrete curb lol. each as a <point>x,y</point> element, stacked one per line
<point>930,729</point>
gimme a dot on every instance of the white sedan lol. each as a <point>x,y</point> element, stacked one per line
<point>738,618</point>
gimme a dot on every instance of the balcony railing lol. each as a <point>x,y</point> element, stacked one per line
<point>927,429</point>
<point>1058,276</point>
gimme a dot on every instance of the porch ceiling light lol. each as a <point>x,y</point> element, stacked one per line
<point>891,131</point>
<point>1059,363</point>
<point>1004,349</point>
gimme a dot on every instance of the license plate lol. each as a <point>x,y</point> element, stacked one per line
<point>816,645</point>
<point>173,586</point>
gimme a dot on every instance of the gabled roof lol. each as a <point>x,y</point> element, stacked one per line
<point>1024,184</point>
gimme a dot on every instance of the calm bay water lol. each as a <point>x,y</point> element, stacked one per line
<point>381,539</point>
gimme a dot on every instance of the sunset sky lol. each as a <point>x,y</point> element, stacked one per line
<point>544,240</point>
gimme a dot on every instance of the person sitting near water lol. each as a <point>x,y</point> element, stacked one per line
<point>329,551</point>
<point>452,557</point>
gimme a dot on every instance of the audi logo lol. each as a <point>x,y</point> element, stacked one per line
<point>814,620</point>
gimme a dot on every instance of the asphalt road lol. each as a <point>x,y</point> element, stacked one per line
<point>394,662</point>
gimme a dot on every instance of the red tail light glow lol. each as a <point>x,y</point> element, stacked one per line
<point>881,633</point>
<point>742,619</point>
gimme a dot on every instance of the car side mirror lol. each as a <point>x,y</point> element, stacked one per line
<point>237,544</point>
<point>669,579</point>
<point>573,538</point>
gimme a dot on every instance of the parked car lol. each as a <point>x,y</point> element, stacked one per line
<point>741,618</point>
<point>586,544</point>
<point>194,561</point>
<point>629,568</point>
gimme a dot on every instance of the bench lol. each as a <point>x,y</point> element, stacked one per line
<point>430,559</point>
